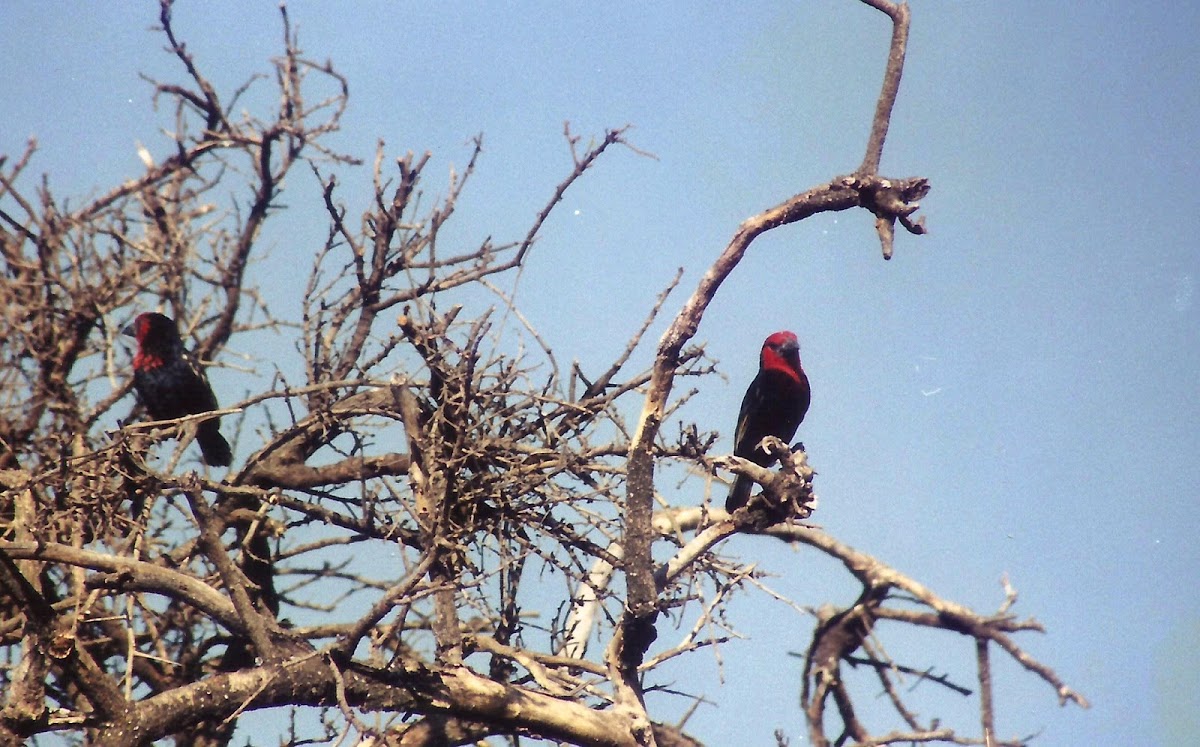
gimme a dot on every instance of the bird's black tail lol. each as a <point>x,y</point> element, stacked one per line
<point>739,494</point>
<point>213,445</point>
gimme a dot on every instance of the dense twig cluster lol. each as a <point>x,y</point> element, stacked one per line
<point>438,532</point>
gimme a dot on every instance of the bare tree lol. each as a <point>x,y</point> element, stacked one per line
<point>142,599</point>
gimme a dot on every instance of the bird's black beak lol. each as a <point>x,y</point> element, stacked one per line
<point>790,346</point>
<point>129,330</point>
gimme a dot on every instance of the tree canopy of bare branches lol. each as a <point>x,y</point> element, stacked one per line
<point>384,548</point>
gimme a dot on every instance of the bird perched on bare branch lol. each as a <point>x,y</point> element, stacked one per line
<point>774,405</point>
<point>171,383</point>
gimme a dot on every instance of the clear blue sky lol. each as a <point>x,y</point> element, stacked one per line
<point>1015,393</point>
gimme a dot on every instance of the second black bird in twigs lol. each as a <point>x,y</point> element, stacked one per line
<point>171,383</point>
<point>774,405</point>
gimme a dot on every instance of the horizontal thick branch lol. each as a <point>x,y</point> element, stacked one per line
<point>134,575</point>
<point>300,476</point>
<point>313,679</point>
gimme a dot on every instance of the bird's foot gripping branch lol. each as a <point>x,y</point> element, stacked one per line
<point>787,491</point>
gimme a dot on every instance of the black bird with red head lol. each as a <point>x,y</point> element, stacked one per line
<point>774,405</point>
<point>171,383</point>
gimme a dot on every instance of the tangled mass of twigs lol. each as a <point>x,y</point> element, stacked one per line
<point>437,532</point>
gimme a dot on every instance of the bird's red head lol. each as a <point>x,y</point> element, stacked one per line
<point>781,351</point>
<point>157,338</point>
